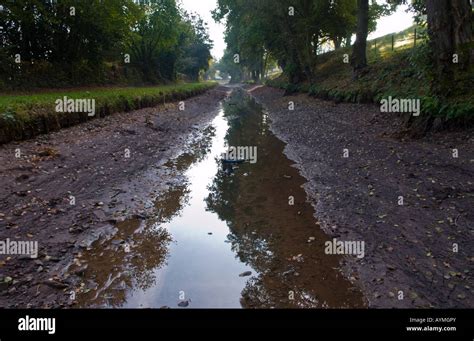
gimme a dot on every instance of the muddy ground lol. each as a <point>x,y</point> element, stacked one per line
<point>410,252</point>
<point>69,188</point>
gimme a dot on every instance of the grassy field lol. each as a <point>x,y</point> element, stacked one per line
<point>402,72</point>
<point>28,114</point>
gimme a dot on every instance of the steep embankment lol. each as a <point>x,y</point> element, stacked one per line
<point>401,72</point>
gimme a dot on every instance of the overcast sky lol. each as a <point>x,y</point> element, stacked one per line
<point>216,31</point>
<point>394,23</point>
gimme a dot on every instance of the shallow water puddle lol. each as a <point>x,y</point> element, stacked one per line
<point>224,238</point>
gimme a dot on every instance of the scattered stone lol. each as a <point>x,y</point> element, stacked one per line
<point>184,303</point>
<point>99,214</point>
<point>245,274</point>
<point>55,284</point>
<point>298,258</point>
<point>81,270</point>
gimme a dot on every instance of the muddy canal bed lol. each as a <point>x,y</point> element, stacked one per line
<point>221,239</point>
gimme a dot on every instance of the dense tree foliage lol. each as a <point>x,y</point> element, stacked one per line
<point>295,32</point>
<point>195,46</point>
<point>292,32</point>
<point>72,42</point>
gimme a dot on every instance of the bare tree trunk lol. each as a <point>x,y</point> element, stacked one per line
<point>450,31</point>
<point>462,30</point>
<point>359,57</point>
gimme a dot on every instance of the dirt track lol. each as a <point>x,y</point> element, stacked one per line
<point>409,247</point>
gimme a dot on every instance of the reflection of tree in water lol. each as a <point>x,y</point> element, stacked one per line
<point>245,120</point>
<point>170,204</point>
<point>239,110</point>
<point>116,272</point>
<point>221,197</point>
<point>252,243</point>
<point>264,232</point>
<point>257,294</point>
<point>196,151</point>
<point>223,190</point>
<point>251,248</point>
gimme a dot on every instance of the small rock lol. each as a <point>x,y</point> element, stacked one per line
<point>140,216</point>
<point>52,259</point>
<point>288,272</point>
<point>81,271</point>
<point>245,274</point>
<point>184,303</point>
<point>55,284</point>
<point>99,214</point>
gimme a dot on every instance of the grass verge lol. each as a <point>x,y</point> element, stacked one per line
<point>401,73</point>
<point>23,116</point>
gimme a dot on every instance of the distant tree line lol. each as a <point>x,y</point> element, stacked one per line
<point>73,42</point>
<point>294,32</point>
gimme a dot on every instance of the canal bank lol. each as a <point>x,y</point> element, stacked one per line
<point>409,200</point>
<point>244,238</point>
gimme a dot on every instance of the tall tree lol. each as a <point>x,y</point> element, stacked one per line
<point>195,46</point>
<point>451,39</point>
<point>359,55</point>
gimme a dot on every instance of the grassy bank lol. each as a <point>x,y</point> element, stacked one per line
<point>23,116</point>
<point>401,73</point>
